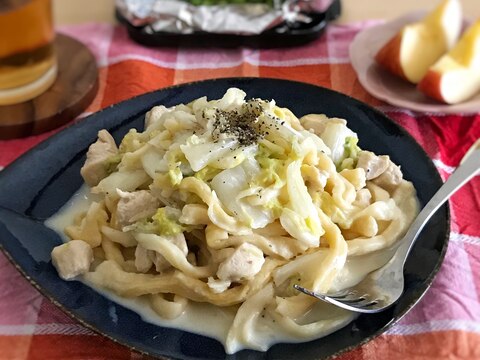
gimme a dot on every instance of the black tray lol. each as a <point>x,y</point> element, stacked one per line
<point>282,35</point>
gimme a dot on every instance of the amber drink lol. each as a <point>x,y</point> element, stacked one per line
<point>28,64</point>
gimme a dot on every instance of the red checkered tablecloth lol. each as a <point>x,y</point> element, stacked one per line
<point>446,322</point>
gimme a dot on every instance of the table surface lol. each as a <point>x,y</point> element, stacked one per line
<point>445,324</point>
<point>79,11</point>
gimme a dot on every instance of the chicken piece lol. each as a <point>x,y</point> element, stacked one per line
<point>161,264</point>
<point>245,262</point>
<point>390,178</point>
<point>318,122</point>
<point>134,206</point>
<point>143,259</point>
<point>96,165</point>
<point>154,115</point>
<point>72,259</point>
<point>373,165</point>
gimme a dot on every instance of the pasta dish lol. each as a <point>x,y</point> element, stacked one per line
<point>230,202</point>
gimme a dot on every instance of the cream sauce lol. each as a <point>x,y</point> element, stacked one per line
<point>219,319</point>
<point>196,315</point>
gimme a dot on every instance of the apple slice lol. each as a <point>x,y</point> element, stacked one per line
<point>456,76</point>
<point>418,46</point>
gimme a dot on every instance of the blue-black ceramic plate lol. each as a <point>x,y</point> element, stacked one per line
<point>36,185</point>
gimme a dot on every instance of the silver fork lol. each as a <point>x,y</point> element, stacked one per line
<point>382,287</point>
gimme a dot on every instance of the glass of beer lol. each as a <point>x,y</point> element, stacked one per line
<point>28,64</point>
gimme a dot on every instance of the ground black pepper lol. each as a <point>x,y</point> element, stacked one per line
<point>242,124</point>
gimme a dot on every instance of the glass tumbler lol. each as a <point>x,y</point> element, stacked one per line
<point>28,64</point>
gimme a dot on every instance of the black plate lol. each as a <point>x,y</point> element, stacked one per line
<point>36,185</point>
<point>282,35</point>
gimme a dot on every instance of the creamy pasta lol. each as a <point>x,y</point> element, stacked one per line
<point>229,202</point>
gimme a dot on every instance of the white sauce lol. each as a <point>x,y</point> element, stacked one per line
<point>219,319</point>
<point>194,318</point>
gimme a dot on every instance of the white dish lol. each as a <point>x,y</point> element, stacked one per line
<point>387,87</point>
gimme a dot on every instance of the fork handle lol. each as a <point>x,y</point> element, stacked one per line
<point>469,167</point>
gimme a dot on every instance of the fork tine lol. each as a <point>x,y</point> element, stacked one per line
<point>343,294</point>
<point>309,292</point>
<point>371,303</point>
<point>338,295</point>
<point>344,299</point>
<point>357,303</point>
<point>352,301</point>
